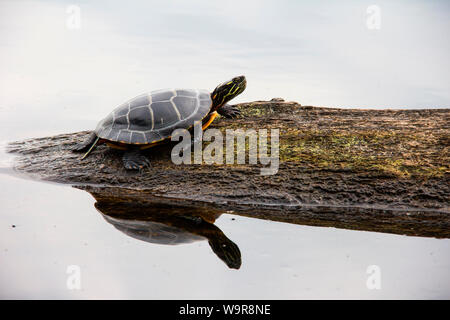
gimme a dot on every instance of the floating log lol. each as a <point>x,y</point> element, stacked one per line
<point>376,170</point>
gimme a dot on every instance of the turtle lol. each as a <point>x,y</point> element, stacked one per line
<point>179,230</point>
<point>150,118</point>
<point>167,225</point>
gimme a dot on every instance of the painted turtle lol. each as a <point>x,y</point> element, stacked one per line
<point>150,119</point>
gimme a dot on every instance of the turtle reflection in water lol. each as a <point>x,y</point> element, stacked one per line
<point>160,225</point>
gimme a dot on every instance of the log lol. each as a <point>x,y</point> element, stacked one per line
<point>376,170</point>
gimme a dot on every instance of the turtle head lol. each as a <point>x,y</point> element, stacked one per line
<point>228,90</point>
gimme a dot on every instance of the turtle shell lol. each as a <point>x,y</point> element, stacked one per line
<point>153,231</point>
<point>152,117</point>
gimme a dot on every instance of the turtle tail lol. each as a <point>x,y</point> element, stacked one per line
<point>94,144</point>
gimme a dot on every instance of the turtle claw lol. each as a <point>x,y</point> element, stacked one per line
<point>131,165</point>
<point>229,111</point>
<point>134,160</point>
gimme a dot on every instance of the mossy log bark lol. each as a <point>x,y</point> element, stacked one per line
<point>390,167</point>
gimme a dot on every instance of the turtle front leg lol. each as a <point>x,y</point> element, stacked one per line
<point>133,159</point>
<point>229,111</point>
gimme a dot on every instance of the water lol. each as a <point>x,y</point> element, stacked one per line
<point>55,79</point>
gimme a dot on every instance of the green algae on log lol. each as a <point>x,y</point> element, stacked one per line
<point>379,159</point>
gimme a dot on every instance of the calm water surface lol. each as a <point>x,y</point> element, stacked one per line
<point>55,79</point>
